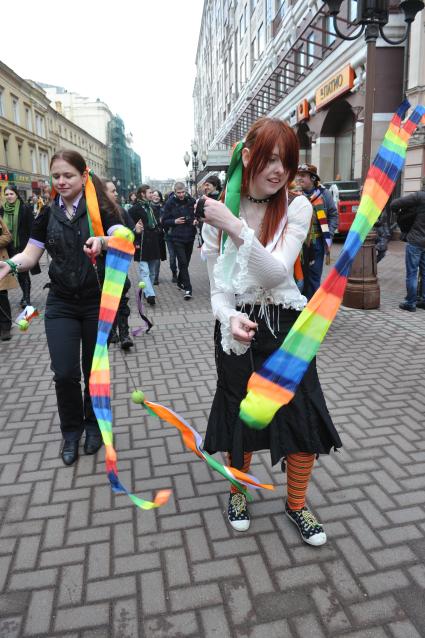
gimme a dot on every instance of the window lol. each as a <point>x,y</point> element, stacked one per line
<point>260,38</point>
<point>15,109</point>
<point>241,29</point>
<point>253,52</point>
<point>6,148</point>
<point>33,161</point>
<point>245,18</point>
<point>20,155</point>
<point>1,101</point>
<point>352,10</point>
<point>242,75</point>
<point>330,31</point>
<point>310,49</point>
<point>28,119</point>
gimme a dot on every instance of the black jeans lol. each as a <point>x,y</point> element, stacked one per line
<point>5,312</point>
<point>184,253</point>
<point>71,325</point>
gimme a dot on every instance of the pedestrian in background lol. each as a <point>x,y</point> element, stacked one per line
<point>8,283</point>
<point>413,206</point>
<point>123,312</point>
<point>19,218</point>
<point>212,187</point>
<point>256,301</point>
<point>157,206</point>
<point>179,217</point>
<point>324,224</point>
<point>147,240</point>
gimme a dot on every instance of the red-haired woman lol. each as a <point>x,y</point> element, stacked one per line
<point>255,300</point>
<point>72,306</point>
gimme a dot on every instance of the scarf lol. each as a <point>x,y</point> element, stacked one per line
<point>152,223</point>
<point>11,215</point>
<point>318,204</point>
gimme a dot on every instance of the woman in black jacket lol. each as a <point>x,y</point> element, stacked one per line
<point>73,302</point>
<point>147,239</point>
<point>19,217</point>
<point>157,207</point>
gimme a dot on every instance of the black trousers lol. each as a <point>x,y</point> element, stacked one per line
<point>5,312</point>
<point>71,326</point>
<point>183,253</point>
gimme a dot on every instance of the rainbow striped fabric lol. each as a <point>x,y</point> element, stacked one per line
<point>276,383</point>
<point>119,255</point>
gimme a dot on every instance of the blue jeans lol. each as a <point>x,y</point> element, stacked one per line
<point>315,270</point>
<point>147,274</point>
<point>171,255</point>
<point>415,258</point>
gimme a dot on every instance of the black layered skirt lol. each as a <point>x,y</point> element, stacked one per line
<point>303,425</point>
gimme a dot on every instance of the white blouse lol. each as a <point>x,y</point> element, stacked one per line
<point>253,273</point>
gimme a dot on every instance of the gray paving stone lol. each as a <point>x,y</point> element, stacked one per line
<point>82,617</point>
<point>39,614</point>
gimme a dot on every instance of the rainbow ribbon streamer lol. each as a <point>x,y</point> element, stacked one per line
<point>119,255</point>
<point>276,382</point>
<point>193,440</point>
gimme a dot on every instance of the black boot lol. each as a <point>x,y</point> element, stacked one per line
<point>25,283</point>
<point>126,341</point>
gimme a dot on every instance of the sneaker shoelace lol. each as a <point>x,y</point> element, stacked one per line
<point>238,504</point>
<point>309,519</point>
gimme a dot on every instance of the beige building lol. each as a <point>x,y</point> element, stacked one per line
<point>414,174</point>
<point>282,58</point>
<point>30,133</point>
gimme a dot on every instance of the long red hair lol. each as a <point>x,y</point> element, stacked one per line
<point>261,140</point>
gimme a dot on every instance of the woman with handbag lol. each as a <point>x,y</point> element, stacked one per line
<point>19,218</point>
<point>6,284</point>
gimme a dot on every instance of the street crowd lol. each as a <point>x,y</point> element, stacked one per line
<point>265,261</point>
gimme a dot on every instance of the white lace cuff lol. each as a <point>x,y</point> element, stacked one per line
<point>228,343</point>
<point>231,272</point>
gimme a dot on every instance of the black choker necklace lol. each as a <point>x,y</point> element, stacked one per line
<point>265,200</point>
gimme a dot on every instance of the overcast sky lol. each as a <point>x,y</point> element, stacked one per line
<point>138,56</point>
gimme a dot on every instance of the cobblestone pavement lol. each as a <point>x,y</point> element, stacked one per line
<point>77,562</point>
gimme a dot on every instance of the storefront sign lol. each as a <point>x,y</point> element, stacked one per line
<point>303,111</point>
<point>336,85</point>
<point>22,179</point>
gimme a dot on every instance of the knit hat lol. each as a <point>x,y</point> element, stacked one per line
<point>308,168</point>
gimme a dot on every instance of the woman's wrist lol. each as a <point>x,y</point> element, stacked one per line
<point>13,267</point>
<point>234,227</point>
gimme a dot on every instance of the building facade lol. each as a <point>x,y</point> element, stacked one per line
<point>30,133</point>
<point>123,163</point>
<point>282,58</point>
<point>414,174</point>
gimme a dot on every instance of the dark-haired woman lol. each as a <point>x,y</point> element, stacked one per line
<point>19,218</point>
<point>73,301</point>
<point>157,204</point>
<point>147,239</point>
<point>256,301</point>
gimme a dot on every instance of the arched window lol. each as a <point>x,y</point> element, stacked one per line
<point>340,124</point>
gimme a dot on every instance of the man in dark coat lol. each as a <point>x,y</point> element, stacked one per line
<point>414,204</point>
<point>179,216</point>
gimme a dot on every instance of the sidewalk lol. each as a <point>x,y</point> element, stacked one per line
<point>78,562</point>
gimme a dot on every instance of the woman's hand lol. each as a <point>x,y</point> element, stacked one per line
<point>5,269</point>
<point>243,329</point>
<point>219,216</point>
<point>139,227</point>
<point>93,247</point>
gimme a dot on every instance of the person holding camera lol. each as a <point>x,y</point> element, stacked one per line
<point>179,217</point>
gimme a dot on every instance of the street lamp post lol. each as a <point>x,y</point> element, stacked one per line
<point>372,15</point>
<point>195,163</point>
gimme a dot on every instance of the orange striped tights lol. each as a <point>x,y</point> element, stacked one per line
<point>298,470</point>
